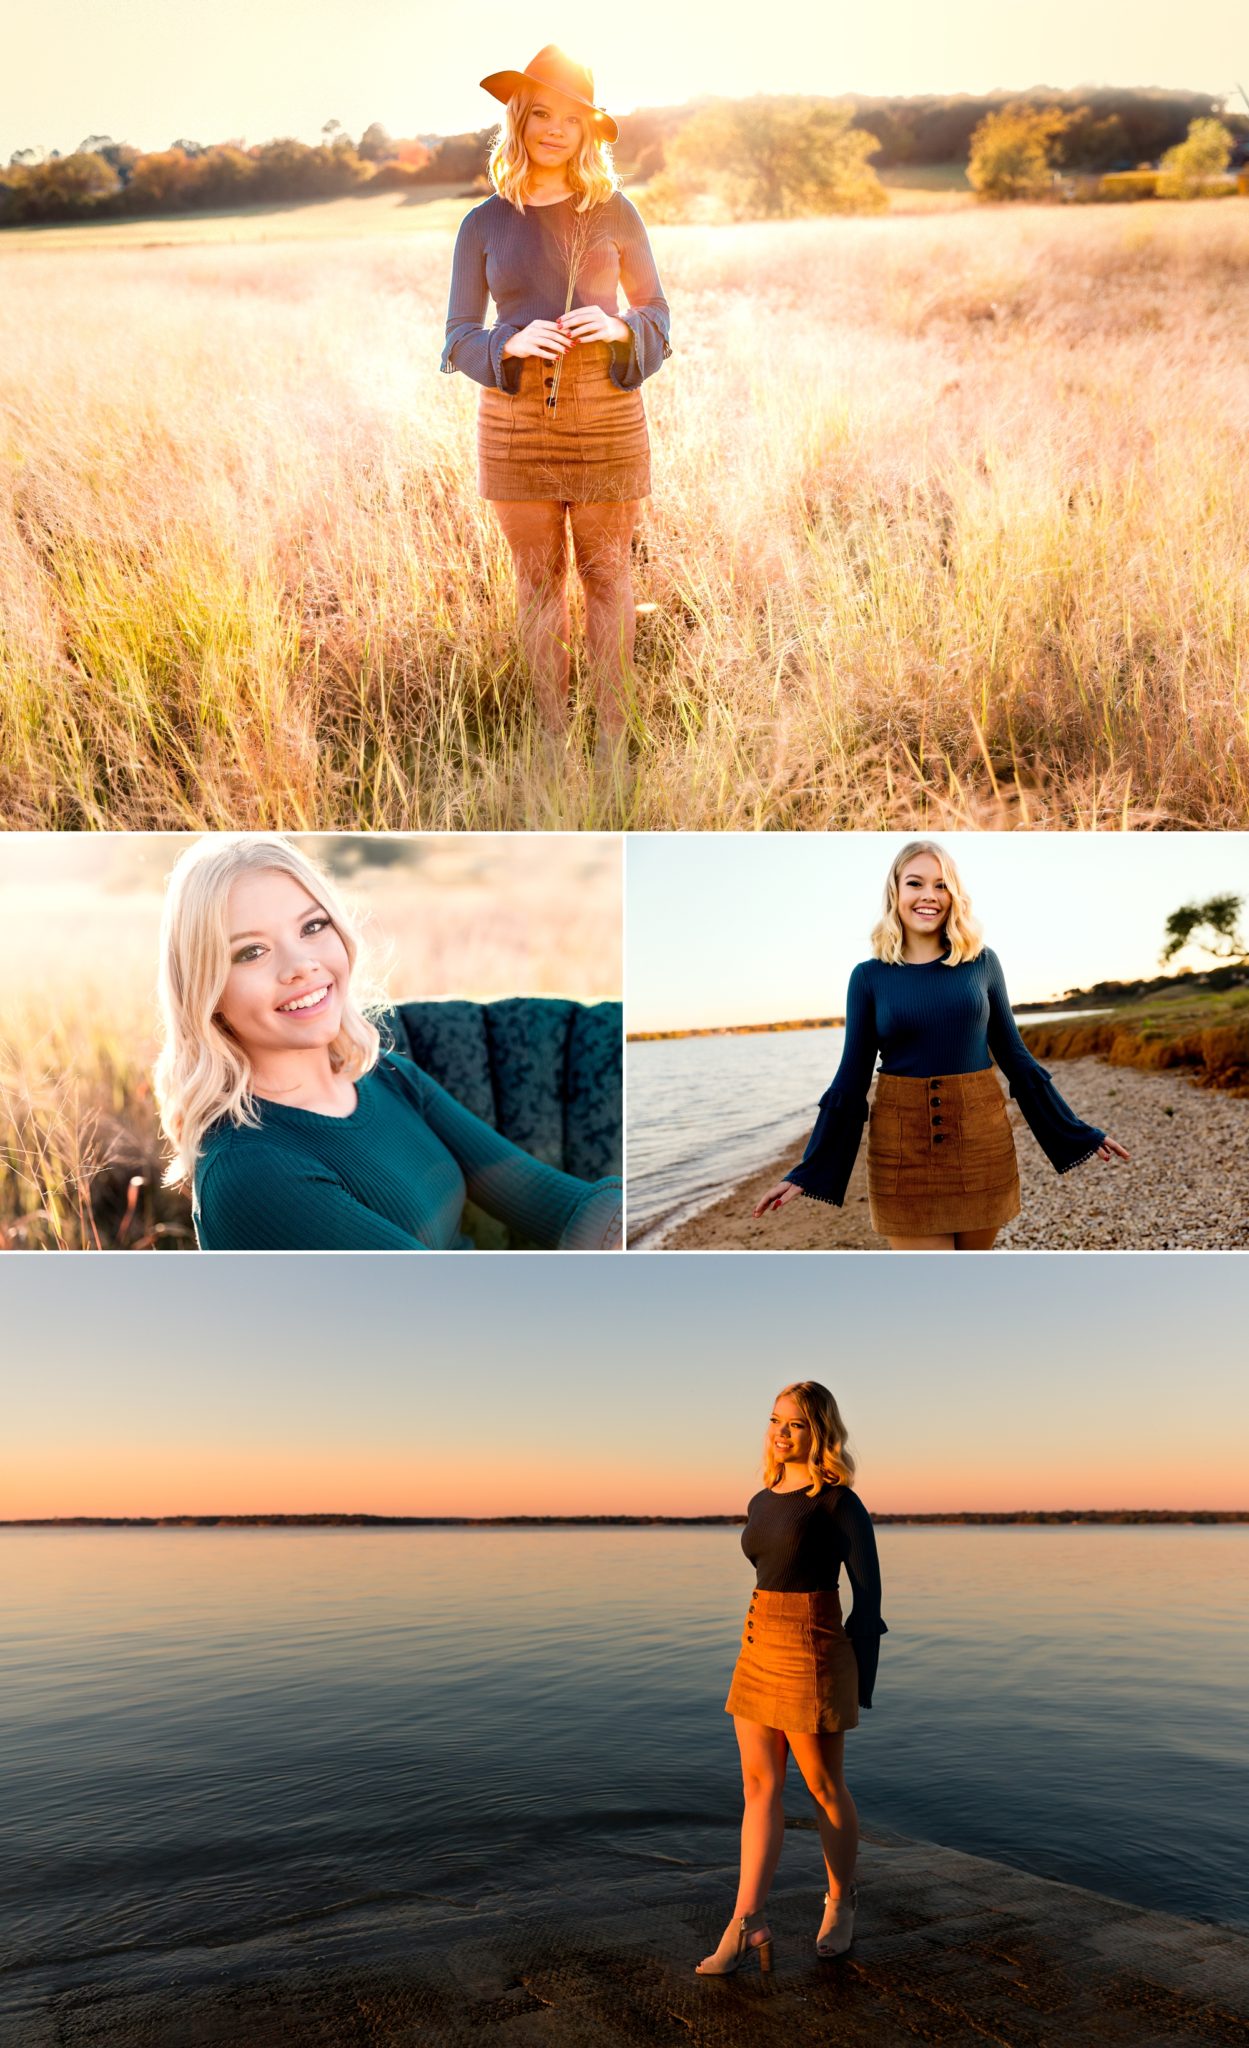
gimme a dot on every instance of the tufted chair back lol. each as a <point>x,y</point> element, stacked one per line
<point>544,1071</point>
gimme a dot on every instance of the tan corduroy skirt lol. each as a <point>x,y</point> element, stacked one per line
<point>940,1155</point>
<point>592,450</point>
<point>796,1668</point>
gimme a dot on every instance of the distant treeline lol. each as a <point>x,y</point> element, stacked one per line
<point>1021,1516</point>
<point>1110,129</point>
<point>736,1030</point>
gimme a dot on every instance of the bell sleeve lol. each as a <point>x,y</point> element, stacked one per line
<point>646,316</point>
<point>826,1165</point>
<point>470,345</point>
<point>865,1625</point>
<point>1064,1139</point>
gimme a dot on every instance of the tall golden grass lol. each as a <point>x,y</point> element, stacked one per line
<point>81,1154</point>
<point>949,528</point>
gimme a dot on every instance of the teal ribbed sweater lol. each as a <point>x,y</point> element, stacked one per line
<point>392,1176</point>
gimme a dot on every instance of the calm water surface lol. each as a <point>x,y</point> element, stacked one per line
<point>215,1734</point>
<point>705,1113</point>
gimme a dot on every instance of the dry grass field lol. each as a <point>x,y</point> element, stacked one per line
<point>81,1156</point>
<point>950,526</point>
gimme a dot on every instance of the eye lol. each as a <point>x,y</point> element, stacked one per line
<point>246,953</point>
<point>314,925</point>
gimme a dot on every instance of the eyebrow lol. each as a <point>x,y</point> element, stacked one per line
<point>310,905</point>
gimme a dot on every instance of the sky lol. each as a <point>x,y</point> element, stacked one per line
<point>136,1384</point>
<point>750,928</point>
<point>147,72</point>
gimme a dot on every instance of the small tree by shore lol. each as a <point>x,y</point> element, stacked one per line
<point>767,158</point>
<point>1219,916</point>
<point>1013,151</point>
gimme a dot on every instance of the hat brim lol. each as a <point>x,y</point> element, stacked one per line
<point>501,85</point>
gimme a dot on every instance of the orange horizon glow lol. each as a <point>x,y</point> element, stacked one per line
<point>171,1480</point>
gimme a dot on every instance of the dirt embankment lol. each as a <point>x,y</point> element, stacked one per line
<point>1215,1055</point>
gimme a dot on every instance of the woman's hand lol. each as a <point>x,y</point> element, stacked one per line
<point>776,1197</point>
<point>1110,1148</point>
<point>591,323</point>
<point>541,338</point>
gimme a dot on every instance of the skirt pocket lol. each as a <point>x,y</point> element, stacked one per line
<point>987,1147</point>
<point>884,1149</point>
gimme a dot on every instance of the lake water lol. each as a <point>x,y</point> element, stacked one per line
<point>215,1735</point>
<point>705,1113</point>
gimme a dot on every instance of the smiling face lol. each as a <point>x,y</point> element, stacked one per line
<point>789,1432</point>
<point>289,969</point>
<point>552,130</point>
<point>923,897</point>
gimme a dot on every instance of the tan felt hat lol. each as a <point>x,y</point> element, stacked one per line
<point>558,73</point>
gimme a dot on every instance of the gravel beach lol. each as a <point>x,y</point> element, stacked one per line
<point>1187,1188</point>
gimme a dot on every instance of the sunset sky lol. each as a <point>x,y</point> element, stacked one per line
<point>141,1385</point>
<point>750,928</point>
<point>146,73</point>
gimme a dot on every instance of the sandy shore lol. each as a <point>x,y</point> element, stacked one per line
<point>951,1948</point>
<point>1186,1189</point>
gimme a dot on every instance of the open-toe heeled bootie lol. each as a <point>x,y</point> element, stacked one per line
<point>837,1927</point>
<point>744,1938</point>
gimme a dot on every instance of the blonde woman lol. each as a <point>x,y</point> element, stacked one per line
<point>561,430</point>
<point>932,1002</point>
<point>295,1129</point>
<point>801,1677</point>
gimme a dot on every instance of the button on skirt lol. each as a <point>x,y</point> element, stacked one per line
<point>593,449</point>
<point>940,1155</point>
<point>796,1669</point>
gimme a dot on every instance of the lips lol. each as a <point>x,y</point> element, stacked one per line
<point>307,1004</point>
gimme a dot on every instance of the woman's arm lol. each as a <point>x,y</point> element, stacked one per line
<point>257,1197</point>
<point>833,1146</point>
<point>539,1202</point>
<point>1064,1139</point>
<point>865,1626</point>
<point>470,345</point>
<point>647,318</point>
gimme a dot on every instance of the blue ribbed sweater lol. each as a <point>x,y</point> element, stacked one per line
<point>925,1020</point>
<point>392,1176</point>
<point>798,1544</point>
<point>521,261</point>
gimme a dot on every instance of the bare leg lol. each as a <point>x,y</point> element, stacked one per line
<point>974,1240</point>
<point>922,1244</point>
<point>535,532</point>
<point>764,1753</point>
<point>821,1760</point>
<point>602,536</point>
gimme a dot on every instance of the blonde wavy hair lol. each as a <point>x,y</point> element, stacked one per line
<point>591,172</point>
<point>202,1073</point>
<point>962,934</point>
<point>830,1463</point>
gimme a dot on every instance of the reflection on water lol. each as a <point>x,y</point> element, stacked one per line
<point>208,1734</point>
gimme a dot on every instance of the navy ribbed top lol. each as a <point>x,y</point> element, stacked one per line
<point>521,261</point>
<point>391,1176</point>
<point>924,1020</point>
<point>798,1544</point>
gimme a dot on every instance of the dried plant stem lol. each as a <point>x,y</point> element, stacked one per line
<point>577,246</point>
